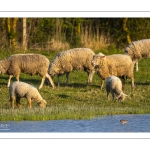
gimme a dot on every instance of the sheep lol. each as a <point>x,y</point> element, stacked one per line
<point>73,59</point>
<point>117,64</point>
<point>18,90</point>
<point>114,85</point>
<point>26,63</point>
<point>138,50</point>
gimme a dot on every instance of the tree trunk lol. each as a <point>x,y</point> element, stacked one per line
<point>126,30</point>
<point>78,29</point>
<point>14,24</point>
<point>8,26</point>
<point>24,39</point>
<point>77,32</point>
<point>11,31</point>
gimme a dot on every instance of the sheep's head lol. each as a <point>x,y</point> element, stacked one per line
<point>121,97</point>
<point>126,51</point>
<point>130,50</point>
<point>53,71</point>
<point>56,71</point>
<point>43,103</point>
<point>97,59</point>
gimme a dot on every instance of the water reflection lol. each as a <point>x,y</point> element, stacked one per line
<point>136,123</point>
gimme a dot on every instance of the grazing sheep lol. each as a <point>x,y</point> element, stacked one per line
<point>118,65</point>
<point>73,59</point>
<point>18,90</point>
<point>114,85</point>
<point>26,63</point>
<point>138,50</point>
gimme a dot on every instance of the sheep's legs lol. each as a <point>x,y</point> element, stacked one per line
<point>17,77</point>
<point>113,95</point>
<point>132,82</point>
<point>18,102</point>
<point>137,68</point>
<point>43,79</point>
<point>50,80</point>
<point>135,63</point>
<point>42,82</point>
<point>12,99</point>
<point>10,76</point>
<point>102,84</point>
<point>29,103</point>
<point>90,76</point>
<point>108,94</point>
<point>67,78</point>
<point>58,80</point>
<point>123,83</point>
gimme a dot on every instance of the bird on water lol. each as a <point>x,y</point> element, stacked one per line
<point>123,121</point>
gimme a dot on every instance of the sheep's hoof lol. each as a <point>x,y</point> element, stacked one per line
<point>19,106</point>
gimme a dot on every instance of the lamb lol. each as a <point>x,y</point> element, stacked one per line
<point>138,50</point>
<point>73,59</point>
<point>114,85</point>
<point>18,90</point>
<point>26,63</point>
<point>117,64</point>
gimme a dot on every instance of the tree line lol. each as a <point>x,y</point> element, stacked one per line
<point>64,33</point>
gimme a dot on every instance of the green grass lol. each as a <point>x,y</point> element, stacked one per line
<point>77,100</point>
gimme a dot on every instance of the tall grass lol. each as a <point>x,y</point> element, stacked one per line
<point>78,100</point>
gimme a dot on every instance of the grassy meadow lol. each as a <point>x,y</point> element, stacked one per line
<point>77,100</point>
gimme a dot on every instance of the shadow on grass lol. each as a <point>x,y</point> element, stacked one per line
<point>31,80</point>
<point>77,85</point>
<point>142,83</point>
<point>3,80</point>
<point>23,79</point>
<point>3,77</point>
<point>63,96</point>
<point>34,81</point>
<point>139,83</point>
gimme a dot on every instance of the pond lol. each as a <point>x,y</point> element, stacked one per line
<point>136,123</point>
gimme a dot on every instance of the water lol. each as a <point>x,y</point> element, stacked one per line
<point>136,123</point>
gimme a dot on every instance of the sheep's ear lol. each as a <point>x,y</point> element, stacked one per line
<point>102,56</point>
<point>125,95</point>
<point>117,97</point>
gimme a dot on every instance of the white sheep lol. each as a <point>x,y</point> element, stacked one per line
<point>114,86</point>
<point>138,50</point>
<point>73,59</point>
<point>26,63</point>
<point>18,90</point>
<point>118,65</point>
